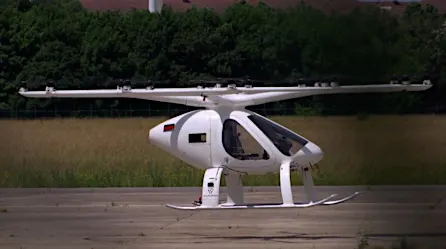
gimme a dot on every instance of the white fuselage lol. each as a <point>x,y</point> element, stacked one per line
<point>239,140</point>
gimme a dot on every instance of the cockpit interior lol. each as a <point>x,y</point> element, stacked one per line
<point>241,145</point>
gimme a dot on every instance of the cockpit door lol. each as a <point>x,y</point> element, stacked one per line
<point>244,145</point>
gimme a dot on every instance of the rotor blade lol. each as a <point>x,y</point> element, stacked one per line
<point>263,95</point>
<point>140,93</point>
<point>340,89</point>
<point>122,93</point>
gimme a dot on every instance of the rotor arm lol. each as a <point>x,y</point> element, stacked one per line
<point>262,95</point>
<point>122,93</point>
<point>186,96</point>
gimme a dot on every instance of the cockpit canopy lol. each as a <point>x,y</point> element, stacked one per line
<point>241,145</point>
<point>285,141</point>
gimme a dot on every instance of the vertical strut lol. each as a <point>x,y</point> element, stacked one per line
<point>307,180</point>
<point>211,187</point>
<point>285,184</point>
<point>234,187</point>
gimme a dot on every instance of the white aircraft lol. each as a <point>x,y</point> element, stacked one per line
<point>210,139</point>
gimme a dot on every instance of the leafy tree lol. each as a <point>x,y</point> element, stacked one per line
<point>59,40</point>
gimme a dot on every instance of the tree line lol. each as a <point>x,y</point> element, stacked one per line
<point>59,40</point>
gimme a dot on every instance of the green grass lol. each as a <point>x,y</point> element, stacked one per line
<point>115,152</point>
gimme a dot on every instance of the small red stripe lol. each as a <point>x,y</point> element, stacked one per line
<point>169,127</point>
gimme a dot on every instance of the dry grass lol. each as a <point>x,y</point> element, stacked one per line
<point>115,152</point>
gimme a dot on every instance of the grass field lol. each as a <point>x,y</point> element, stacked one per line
<point>115,152</point>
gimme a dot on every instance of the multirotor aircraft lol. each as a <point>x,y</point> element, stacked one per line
<point>212,139</point>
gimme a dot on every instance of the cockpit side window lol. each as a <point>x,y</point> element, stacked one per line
<point>240,144</point>
<point>285,141</point>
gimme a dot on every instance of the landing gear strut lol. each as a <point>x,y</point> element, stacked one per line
<point>209,198</point>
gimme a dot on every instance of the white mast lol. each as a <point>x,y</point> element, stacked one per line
<point>155,6</point>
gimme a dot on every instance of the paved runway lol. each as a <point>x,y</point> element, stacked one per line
<point>137,218</point>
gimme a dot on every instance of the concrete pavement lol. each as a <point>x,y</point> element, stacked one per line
<point>137,218</point>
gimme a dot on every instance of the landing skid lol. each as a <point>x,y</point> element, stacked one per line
<point>253,206</point>
<point>325,201</point>
<point>341,200</point>
<point>211,193</point>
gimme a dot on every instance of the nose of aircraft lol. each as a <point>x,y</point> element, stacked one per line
<point>149,136</point>
<point>155,137</point>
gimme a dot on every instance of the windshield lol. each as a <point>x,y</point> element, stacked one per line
<point>285,141</point>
